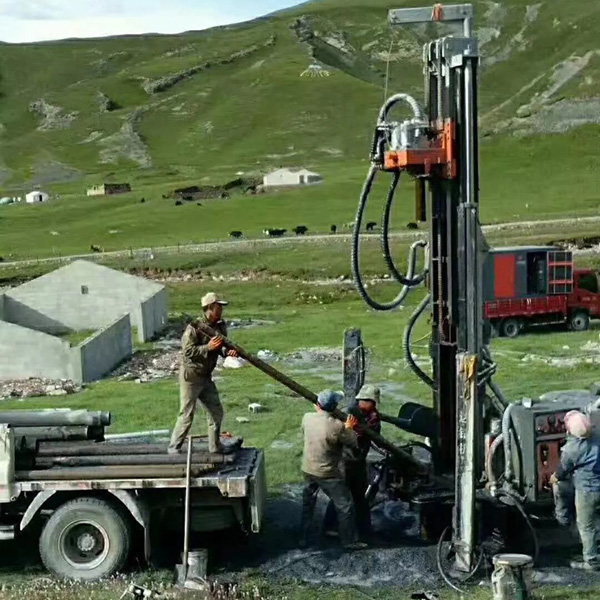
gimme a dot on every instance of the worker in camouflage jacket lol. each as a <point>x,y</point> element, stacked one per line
<point>355,462</point>
<point>579,468</point>
<point>198,361</point>
<point>324,439</point>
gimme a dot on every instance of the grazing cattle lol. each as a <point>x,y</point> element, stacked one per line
<point>300,229</point>
<point>198,203</point>
<point>412,225</point>
<point>333,229</point>
<point>96,248</point>
<point>235,234</point>
<point>143,200</point>
<point>274,232</point>
<point>371,225</point>
<point>165,197</point>
<point>1,259</point>
<point>178,203</point>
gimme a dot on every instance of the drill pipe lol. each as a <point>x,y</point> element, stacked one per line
<point>404,457</point>
<point>58,432</point>
<point>54,417</point>
<point>113,472</point>
<point>115,449</point>
<point>135,459</point>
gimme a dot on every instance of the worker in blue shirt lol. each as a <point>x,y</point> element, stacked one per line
<point>580,461</point>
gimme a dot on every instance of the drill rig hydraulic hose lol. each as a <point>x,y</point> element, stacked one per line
<point>410,280</point>
<point>410,361</point>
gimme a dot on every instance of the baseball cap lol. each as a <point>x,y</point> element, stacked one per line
<point>212,298</point>
<point>328,400</point>
<point>369,392</point>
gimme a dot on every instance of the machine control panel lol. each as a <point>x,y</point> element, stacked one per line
<point>550,424</point>
<point>550,436</point>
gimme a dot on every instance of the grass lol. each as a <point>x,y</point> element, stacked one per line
<point>76,337</point>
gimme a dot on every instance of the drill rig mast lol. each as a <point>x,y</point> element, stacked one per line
<point>439,147</point>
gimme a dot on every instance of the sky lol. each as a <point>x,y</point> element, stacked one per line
<point>37,20</point>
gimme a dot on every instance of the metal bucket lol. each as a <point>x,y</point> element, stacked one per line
<point>512,577</point>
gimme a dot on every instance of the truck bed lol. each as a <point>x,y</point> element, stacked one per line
<point>232,480</point>
<point>526,307</point>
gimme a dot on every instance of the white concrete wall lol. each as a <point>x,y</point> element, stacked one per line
<point>151,318</point>
<point>80,296</point>
<point>27,353</point>
<point>106,349</point>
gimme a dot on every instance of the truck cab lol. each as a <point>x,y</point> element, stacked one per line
<point>585,296</point>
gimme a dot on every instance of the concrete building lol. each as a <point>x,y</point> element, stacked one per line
<point>81,296</point>
<point>108,189</point>
<point>291,177</point>
<point>36,196</point>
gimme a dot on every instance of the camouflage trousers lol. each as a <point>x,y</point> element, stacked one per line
<point>205,392</point>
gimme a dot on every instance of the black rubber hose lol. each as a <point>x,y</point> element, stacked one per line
<point>410,361</point>
<point>409,280</point>
<point>441,569</point>
<point>356,251</point>
<point>517,502</point>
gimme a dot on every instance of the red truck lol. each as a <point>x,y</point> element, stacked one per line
<point>537,285</point>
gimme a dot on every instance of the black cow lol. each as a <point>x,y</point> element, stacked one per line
<point>235,234</point>
<point>96,248</point>
<point>178,203</point>
<point>198,203</point>
<point>371,225</point>
<point>300,229</point>
<point>333,229</point>
<point>143,200</point>
<point>274,232</point>
<point>412,225</point>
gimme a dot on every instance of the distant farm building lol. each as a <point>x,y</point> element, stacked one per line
<point>291,177</point>
<point>36,196</point>
<point>107,189</point>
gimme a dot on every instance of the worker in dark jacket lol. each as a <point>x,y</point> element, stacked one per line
<point>198,361</point>
<point>355,463</point>
<point>580,461</point>
<point>324,439</point>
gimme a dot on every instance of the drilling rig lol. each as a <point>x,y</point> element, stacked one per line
<point>474,430</point>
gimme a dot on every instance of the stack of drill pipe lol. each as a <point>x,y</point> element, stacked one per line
<point>33,426</point>
<point>67,461</point>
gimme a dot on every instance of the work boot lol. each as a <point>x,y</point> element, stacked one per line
<point>585,565</point>
<point>355,546</point>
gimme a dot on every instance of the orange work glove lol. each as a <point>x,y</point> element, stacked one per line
<point>351,422</point>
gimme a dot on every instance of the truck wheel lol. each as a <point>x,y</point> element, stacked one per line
<point>580,321</point>
<point>511,328</point>
<point>85,539</point>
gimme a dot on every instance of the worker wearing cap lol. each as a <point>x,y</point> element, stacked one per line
<point>355,462</point>
<point>324,439</point>
<point>199,359</point>
<point>580,461</point>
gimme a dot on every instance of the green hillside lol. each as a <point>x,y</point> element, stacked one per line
<point>165,111</point>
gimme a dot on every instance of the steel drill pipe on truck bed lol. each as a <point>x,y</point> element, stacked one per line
<point>60,433</point>
<point>403,457</point>
<point>54,418</point>
<point>113,472</point>
<point>129,459</point>
<point>115,449</point>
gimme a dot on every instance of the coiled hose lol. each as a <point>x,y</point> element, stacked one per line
<point>410,361</point>
<point>412,259</point>
<point>409,280</point>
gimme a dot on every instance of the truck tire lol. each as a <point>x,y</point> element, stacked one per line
<point>580,321</point>
<point>511,328</point>
<point>85,539</point>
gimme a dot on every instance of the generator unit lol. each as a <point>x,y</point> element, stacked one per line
<point>538,434</point>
